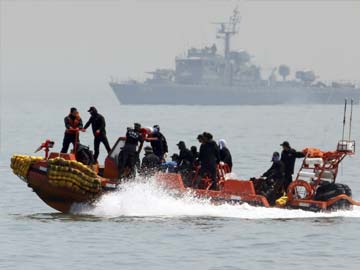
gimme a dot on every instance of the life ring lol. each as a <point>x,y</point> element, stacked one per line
<point>299,183</point>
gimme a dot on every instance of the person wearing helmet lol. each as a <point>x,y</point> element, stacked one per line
<point>97,122</point>
<point>129,154</point>
<point>73,123</point>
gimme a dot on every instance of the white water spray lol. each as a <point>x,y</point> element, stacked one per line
<point>147,199</point>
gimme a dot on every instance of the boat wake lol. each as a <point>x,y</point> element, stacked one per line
<point>143,198</point>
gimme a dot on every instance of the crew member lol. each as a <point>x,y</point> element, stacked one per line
<point>130,152</point>
<point>276,174</point>
<point>225,155</point>
<point>97,122</point>
<point>200,139</point>
<point>73,124</point>
<point>186,159</point>
<point>171,166</point>
<point>288,157</point>
<point>209,158</point>
<point>159,145</point>
<point>150,162</point>
<point>195,154</point>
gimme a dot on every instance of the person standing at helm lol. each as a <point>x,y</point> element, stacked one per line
<point>159,145</point>
<point>129,154</point>
<point>97,122</point>
<point>73,124</point>
<point>225,155</point>
<point>288,157</point>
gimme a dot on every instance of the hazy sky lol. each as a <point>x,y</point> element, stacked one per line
<point>80,44</point>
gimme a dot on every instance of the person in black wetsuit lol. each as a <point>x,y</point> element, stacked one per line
<point>97,122</point>
<point>185,163</point>
<point>225,155</point>
<point>186,159</point>
<point>150,162</point>
<point>288,157</point>
<point>271,183</point>
<point>195,154</point>
<point>129,154</point>
<point>159,145</point>
<point>276,174</point>
<point>209,157</point>
<point>200,138</point>
<point>73,123</point>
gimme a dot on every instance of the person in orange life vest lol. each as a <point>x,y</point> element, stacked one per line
<point>73,124</point>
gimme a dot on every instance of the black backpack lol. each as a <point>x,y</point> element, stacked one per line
<point>85,155</point>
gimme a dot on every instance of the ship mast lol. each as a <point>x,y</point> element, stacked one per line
<point>227,30</point>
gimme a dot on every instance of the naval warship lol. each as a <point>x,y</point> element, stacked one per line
<point>206,77</point>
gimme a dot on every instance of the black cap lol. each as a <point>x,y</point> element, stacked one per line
<point>137,125</point>
<point>73,109</point>
<point>208,135</point>
<point>92,109</point>
<point>156,126</point>
<point>200,137</point>
<point>180,143</point>
<point>285,143</point>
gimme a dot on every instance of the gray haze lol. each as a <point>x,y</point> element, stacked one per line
<point>79,45</point>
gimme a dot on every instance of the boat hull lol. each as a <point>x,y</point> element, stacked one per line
<point>59,198</point>
<point>232,191</point>
<point>61,184</point>
<point>178,94</point>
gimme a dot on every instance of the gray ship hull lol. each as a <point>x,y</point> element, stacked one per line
<point>179,94</point>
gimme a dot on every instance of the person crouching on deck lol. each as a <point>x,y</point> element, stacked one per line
<point>150,163</point>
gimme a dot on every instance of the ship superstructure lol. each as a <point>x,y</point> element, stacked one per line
<point>205,74</point>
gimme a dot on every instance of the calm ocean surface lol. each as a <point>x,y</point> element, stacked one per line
<point>142,227</point>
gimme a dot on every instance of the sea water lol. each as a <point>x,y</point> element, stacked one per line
<point>142,226</point>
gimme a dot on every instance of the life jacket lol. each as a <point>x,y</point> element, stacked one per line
<point>313,152</point>
<point>74,123</point>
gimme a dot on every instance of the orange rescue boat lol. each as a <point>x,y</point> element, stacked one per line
<point>61,181</point>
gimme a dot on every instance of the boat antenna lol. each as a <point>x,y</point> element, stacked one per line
<point>351,112</point>
<point>344,120</point>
